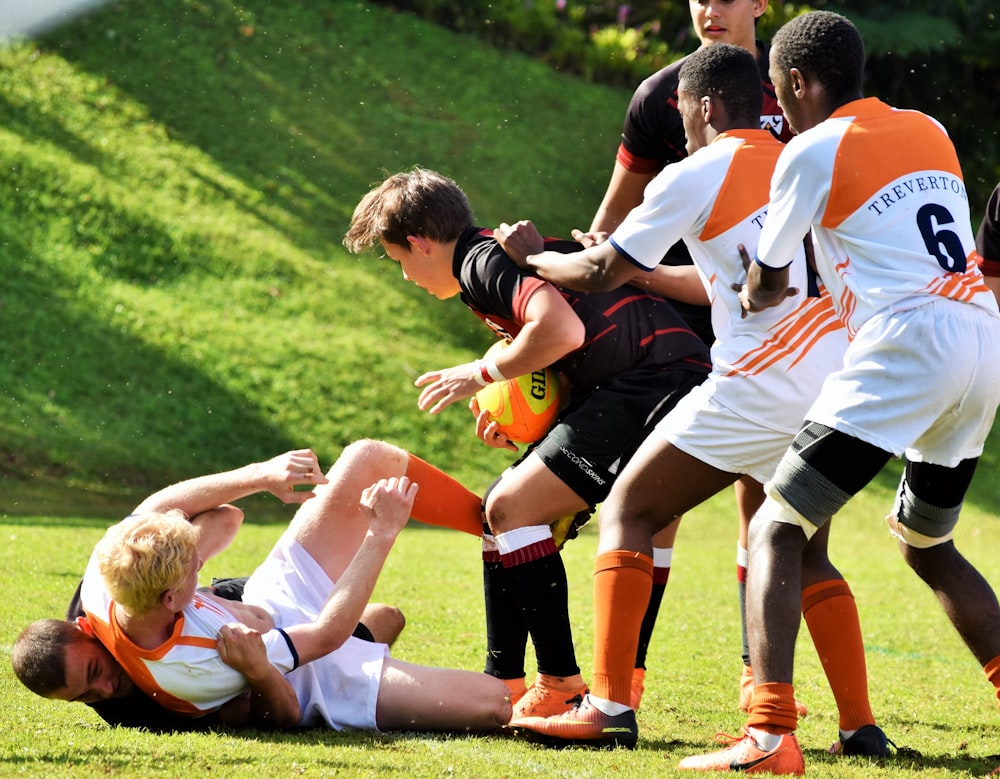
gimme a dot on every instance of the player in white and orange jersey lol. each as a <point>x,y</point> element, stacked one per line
<point>301,606</point>
<point>765,373</point>
<point>882,191</point>
<point>652,139</point>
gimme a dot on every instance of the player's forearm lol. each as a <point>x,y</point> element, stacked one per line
<point>269,704</point>
<point>585,271</point>
<point>273,703</point>
<point>343,609</point>
<point>203,493</point>
<point>678,282</point>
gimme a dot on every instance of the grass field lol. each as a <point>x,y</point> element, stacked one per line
<point>926,690</point>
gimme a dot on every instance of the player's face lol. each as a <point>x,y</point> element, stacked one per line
<point>92,674</point>
<point>726,21</point>
<point>425,270</point>
<point>786,97</point>
<point>689,107</point>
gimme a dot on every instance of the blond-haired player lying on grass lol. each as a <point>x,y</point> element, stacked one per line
<point>285,656</point>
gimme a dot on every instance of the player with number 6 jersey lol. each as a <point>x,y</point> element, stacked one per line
<point>883,192</point>
<point>890,229</point>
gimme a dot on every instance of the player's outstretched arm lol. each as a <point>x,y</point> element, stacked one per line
<point>388,504</point>
<point>279,476</point>
<point>597,268</point>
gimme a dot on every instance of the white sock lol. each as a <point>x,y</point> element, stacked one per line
<point>766,741</point>
<point>611,708</point>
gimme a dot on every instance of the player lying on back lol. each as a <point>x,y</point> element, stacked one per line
<point>292,635</point>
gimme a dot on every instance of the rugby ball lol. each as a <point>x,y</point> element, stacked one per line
<point>524,407</point>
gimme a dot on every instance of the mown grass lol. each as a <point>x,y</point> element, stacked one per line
<point>926,689</point>
<point>177,178</point>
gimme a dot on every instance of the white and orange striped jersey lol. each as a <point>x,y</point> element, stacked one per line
<point>715,200</point>
<point>883,192</point>
<point>185,674</point>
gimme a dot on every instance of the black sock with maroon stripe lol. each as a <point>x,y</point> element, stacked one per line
<point>537,576</point>
<point>506,631</point>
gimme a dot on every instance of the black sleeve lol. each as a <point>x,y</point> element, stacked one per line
<point>988,238</point>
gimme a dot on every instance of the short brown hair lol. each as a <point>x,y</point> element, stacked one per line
<point>39,654</point>
<point>417,202</point>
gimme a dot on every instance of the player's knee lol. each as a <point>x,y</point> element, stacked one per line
<point>385,622</point>
<point>497,709</point>
<point>776,510</point>
<point>501,509</point>
<point>380,457</point>
<point>919,524</point>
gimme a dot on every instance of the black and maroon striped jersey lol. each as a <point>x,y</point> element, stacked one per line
<point>626,328</point>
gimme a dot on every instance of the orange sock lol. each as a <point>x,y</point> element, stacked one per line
<point>443,501</point>
<point>992,669</point>
<point>623,581</point>
<point>772,708</point>
<point>832,617</point>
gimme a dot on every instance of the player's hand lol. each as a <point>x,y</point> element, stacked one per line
<point>242,649</point>
<point>488,431</point>
<point>281,475</point>
<point>752,297</point>
<point>590,238</point>
<point>447,386</point>
<point>519,241</point>
<point>388,503</point>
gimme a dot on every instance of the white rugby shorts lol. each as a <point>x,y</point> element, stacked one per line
<point>701,426</point>
<point>924,382</point>
<point>340,689</point>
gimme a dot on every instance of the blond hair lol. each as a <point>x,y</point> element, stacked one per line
<point>418,202</point>
<point>145,555</point>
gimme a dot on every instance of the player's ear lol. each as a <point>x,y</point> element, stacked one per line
<point>84,625</point>
<point>168,600</point>
<point>419,244</point>
<point>797,82</point>
<point>707,108</point>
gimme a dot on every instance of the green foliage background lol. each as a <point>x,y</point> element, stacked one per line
<point>936,56</point>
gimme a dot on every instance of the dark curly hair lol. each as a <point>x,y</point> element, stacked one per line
<point>730,73</point>
<point>826,46</point>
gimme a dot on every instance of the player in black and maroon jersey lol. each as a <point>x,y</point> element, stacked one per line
<point>627,356</point>
<point>988,243</point>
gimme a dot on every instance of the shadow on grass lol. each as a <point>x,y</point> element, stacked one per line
<point>130,410</point>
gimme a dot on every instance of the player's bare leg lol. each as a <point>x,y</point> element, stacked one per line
<point>418,697</point>
<point>385,622</point>
<point>331,526</point>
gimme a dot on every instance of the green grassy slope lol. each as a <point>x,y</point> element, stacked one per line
<point>176,181</point>
<point>175,184</point>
